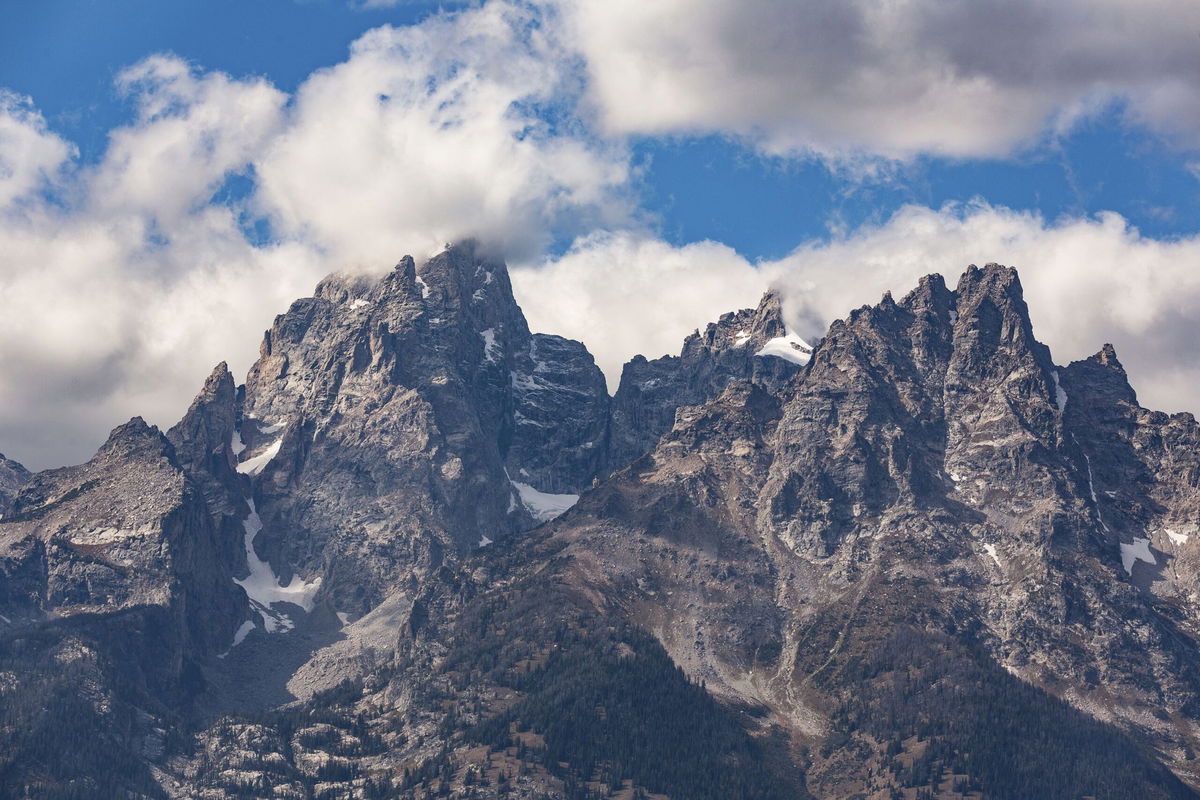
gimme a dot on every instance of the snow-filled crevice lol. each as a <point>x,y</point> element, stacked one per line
<point>490,347</point>
<point>1060,394</point>
<point>262,584</point>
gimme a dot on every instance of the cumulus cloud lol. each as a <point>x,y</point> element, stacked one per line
<point>852,77</point>
<point>431,133</point>
<point>624,293</point>
<point>30,156</point>
<point>141,272</point>
<point>119,299</point>
<point>1087,281</point>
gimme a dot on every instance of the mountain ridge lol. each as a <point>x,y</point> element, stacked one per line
<point>770,532</point>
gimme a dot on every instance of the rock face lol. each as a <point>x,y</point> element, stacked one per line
<point>126,530</point>
<point>12,477</point>
<point>916,558</point>
<point>924,471</point>
<point>745,345</point>
<point>384,420</point>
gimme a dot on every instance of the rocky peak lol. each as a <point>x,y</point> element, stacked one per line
<point>203,439</point>
<point>751,344</point>
<point>400,402</point>
<point>1099,381</point>
<point>135,439</point>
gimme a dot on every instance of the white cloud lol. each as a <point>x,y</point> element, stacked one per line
<point>119,301</point>
<point>1087,281</point>
<point>30,156</point>
<point>847,77</point>
<point>627,293</point>
<point>428,134</point>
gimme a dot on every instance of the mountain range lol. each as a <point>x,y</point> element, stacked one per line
<point>422,552</point>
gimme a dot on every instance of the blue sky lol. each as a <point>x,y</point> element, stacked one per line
<point>643,167</point>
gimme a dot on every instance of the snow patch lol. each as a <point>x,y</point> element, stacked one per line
<point>424,287</point>
<point>343,618</point>
<point>256,464</point>
<point>741,339</point>
<point>236,444</point>
<point>1138,551</point>
<point>490,348</point>
<point>357,303</point>
<point>543,505</point>
<point>484,541</point>
<point>789,347</point>
<point>1176,537</point>
<point>242,632</point>
<point>262,584</point>
<point>953,316</point>
<point>239,636</point>
<point>991,551</point>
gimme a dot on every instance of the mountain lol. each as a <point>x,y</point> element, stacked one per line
<point>421,553</point>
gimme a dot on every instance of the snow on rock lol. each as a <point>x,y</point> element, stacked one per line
<point>239,636</point>
<point>357,303</point>
<point>484,541</point>
<point>1176,537</point>
<point>789,347</point>
<point>343,618</point>
<point>1138,551</point>
<point>256,464</point>
<point>236,444</point>
<point>490,348</point>
<point>424,287</point>
<point>543,505</point>
<point>1060,395</point>
<point>991,551</point>
<point>741,339</point>
<point>953,316</point>
<point>262,584</point>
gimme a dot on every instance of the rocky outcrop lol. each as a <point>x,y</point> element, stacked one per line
<point>752,344</point>
<point>12,477</point>
<point>126,530</point>
<point>384,420</point>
